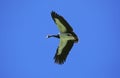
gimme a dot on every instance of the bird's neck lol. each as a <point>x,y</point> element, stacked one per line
<point>56,36</point>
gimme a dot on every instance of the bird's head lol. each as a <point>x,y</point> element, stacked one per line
<point>48,36</point>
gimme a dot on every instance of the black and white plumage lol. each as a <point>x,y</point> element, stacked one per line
<point>67,38</point>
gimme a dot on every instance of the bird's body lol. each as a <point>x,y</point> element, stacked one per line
<point>67,38</point>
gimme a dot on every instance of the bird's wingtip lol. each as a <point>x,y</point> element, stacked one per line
<point>52,11</point>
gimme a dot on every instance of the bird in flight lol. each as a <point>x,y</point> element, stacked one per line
<point>67,38</point>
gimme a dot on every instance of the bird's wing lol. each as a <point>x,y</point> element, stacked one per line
<point>62,24</point>
<point>63,50</point>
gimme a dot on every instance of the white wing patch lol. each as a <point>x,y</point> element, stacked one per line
<point>61,27</point>
<point>61,46</point>
<point>63,42</point>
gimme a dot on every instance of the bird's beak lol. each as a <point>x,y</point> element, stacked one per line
<point>47,36</point>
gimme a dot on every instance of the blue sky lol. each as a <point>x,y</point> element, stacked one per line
<point>26,53</point>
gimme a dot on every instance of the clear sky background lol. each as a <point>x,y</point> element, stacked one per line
<point>26,53</point>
